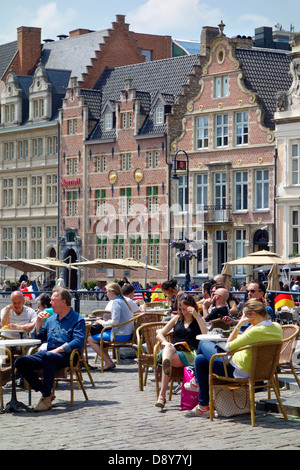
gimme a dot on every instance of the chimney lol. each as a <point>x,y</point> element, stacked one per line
<point>79,32</point>
<point>208,34</point>
<point>29,48</point>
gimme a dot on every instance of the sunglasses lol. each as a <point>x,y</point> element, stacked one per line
<point>252,291</point>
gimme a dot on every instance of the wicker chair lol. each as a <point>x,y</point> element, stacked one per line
<point>117,345</point>
<point>264,361</point>
<point>176,372</point>
<point>5,371</point>
<point>84,355</point>
<point>146,334</point>
<point>66,375</point>
<point>290,336</point>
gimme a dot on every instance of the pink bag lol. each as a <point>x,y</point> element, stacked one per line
<point>188,399</point>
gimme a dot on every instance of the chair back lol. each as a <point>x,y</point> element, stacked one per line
<point>290,334</point>
<point>146,334</point>
<point>265,357</point>
<point>156,304</point>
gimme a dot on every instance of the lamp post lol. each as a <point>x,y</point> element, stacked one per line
<point>184,165</point>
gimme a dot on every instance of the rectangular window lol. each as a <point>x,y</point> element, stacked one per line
<point>126,120</point>
<point>241,128</point>
<point>295,164</point>
<point>221,86</point>
<point>72,126</point>
<point>261,189</point>
<point>108,122</point>
<point>152,199</point>
<point>240,249</point>
<point>125,201</point>
<point>202,257</point>
<point>222,130</point>
<point>201,192</point>
<point>182,195</point>
<point>152,159</point>
<point>202,132</point>
<point>136,247</point>
<point>37,190</point>
<point>72,203</point>
<point>51,189</point>
<point>159,115</point>
<point>295,232</point>
<point>8,242</point>
<point>126,161</point>
<point>72,166</point>
<point>153,250</point>
<point>100,202</point>
<point>241,190</point>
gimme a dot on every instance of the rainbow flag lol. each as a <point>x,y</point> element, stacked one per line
<point>283,300</point>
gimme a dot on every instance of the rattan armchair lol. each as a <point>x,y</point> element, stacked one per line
<point>65,374</point>
<point>264,361</point>
<point>146,337</point>
<point>5,371</point>
<point>176,372</point>
<point>117,345</point>
<point>290,335</point>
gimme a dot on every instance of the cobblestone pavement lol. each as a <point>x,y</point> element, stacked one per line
<point>118,416</point>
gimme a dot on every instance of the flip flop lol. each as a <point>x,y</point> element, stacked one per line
<point>161,404</point>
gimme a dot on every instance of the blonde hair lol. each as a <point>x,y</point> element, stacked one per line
<point>114,287</point>
<point>254,305</point>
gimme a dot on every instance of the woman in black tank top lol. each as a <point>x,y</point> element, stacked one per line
<point>186,326</point>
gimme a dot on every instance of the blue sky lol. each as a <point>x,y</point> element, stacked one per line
<point>181,19</point>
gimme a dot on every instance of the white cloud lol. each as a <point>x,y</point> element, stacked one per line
<point>53,20</point>
<point>174,17</point>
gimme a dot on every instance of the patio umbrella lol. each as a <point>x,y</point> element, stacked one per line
<point>259,258</point>
<point>133,263</point>
<point>293,260</point>
<point>99,263</point>
<point>273,278</point>
<point>227,273</point>
<point>25,265</point>
<point>52,262</point>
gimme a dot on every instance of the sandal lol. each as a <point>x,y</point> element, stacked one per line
<point>112,366</point>
<point>161,403</point>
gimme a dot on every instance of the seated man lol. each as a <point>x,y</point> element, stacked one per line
<point>219,305</point>
<point>17,316</point>
<point>63,332</point>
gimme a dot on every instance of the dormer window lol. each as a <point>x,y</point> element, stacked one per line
<point>159,115</point>
<point>9,113</point>
<point>38,108</point>
<point>108,121</point>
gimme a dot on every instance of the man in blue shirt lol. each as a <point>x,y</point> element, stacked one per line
<point>63,332</point>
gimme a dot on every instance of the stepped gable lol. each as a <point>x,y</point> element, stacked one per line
<point>166,76</point>
<point>266,72</point>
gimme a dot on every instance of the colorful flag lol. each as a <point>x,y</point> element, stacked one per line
<point>155,297</point>
<point>283,300</point>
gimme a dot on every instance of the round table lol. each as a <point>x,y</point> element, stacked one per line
<point>14,404</point>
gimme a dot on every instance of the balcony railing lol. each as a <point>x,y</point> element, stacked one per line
<point>214,214</point>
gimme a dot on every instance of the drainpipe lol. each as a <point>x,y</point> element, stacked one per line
<point>275,196</point>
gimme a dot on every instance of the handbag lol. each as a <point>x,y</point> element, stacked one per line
<point>96,328</point>
<point>231,401</point>
<point>188,399</point>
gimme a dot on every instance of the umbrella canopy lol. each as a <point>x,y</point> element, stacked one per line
<point>51,262</point>
<point>227,273</point>
<point>25,265</point>
<point>130,262</point>
<point>99,263</point>
<point>259,258</point>
<point>293,260</point>
<point>273,278</point>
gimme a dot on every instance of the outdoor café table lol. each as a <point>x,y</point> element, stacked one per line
<point>7,330</point>
<point>13,404</point>
<point>215,338</point>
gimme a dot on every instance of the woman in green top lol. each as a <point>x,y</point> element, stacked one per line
<point>261,329</point>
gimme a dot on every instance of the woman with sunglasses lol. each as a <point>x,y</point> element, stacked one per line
<point>186,326</point>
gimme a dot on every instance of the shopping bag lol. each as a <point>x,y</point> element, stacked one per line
<point>188,399</point>
<point>231,401</point>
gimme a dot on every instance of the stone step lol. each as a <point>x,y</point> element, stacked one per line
<point>290,403</point>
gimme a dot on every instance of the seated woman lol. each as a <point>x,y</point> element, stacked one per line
<point>186,325</point>
<point>120,313</point>
<point>170,291</point>
<point>261,329</point>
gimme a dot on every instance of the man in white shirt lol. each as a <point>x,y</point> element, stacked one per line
<point>17,316</point>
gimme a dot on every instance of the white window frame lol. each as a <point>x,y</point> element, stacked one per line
<point>202,123</point>
<point>241,190</point>
<point>262,189</point>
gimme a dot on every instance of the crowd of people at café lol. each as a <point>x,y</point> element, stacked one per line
<point>211,305</point>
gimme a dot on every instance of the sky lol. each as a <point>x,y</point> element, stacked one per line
<point>181,19</point>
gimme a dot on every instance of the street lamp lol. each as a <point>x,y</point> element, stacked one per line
<point>184,165</point>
